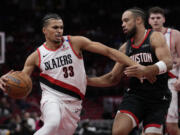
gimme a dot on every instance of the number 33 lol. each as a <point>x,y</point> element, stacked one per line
<point>68,71</point>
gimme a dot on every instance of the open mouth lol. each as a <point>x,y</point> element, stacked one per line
<point>58,36</point>
<point>125,30</point>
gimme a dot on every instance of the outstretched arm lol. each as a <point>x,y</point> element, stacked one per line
<point>110,79</point>
<point>82,43</point>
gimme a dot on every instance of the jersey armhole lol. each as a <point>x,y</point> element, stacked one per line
<point>39,55</point>
<point>170,42</point>
<point>78,56</point>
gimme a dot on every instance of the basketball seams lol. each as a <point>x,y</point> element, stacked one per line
<point>27,86</point>
<point>20,84</point>
<point>12,82</point>
<point>9,83</point>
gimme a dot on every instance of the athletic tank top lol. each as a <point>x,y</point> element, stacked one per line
<point>63,71</point>
<point>144,54</point>
<point>173,73</point>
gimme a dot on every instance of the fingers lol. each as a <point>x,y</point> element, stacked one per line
<point>3,84</point>
<point>141,80</point>
<point>176,65</point>
<point>4,76</point>
<point>3,80</point>
<point>140,72</point>
<point>131,74</point>
<point>131,71</point>
<point>2,88</point>
<point>176,62</point>
<point>177,86</point>
<point>11,71</point>
<point>131,68</point>
<point>152,79</point>
<point>135,71</point>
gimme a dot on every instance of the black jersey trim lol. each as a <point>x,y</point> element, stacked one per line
<point>59,88</point>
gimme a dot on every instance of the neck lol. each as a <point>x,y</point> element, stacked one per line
<point>52,45</point>
<point>162,30</point>
<point>139,36</point>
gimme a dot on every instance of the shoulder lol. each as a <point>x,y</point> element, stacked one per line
<point>157,39</point>
<point>34,55</point>
<point>79,40</point>
<point>156,33</point>
<point>155,36</point>
<point>175,37</point>
<point>33,58</point>
<point>175,33</point>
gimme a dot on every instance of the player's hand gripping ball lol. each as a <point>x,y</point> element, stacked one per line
<point>19,85</point>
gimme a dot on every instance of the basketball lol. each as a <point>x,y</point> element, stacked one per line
<point>19,85</point>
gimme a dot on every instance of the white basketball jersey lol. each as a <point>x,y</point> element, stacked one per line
<point>174,71</point>
<point>63,70</point>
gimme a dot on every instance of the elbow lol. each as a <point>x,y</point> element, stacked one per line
<point>114,80</point>
<point>108,52</point>
<point>115,83</point>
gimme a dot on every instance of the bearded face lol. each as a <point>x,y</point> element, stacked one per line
<point>130,33</point>
<point>129,24</point>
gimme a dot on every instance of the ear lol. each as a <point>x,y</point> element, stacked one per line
<point>138,20</point>
<point>164,20</point>
<point>43,30</point>
<point>149,20</point>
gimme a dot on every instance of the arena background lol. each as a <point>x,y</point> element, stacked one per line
<point>99,20</point>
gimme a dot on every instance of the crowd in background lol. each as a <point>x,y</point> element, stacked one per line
<point>98,20</point>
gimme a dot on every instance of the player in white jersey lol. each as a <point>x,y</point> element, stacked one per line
<point>63,78</point>
<point>157,20</point>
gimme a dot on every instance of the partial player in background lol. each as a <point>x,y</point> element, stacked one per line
<point>157,20</point>
<point>63,77</point>
<point>143,101</point>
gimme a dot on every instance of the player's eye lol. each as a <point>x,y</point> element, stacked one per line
<point>55,27</point>
<point>152,18</point>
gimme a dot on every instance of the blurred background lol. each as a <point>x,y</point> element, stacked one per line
<point>99,20</point>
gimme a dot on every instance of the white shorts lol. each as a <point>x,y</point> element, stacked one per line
<point>172,116</point>
<point>67,112</point>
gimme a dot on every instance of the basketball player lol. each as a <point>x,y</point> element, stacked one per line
<point>63,78</point>
<point>157,20</point>
<point>143,101</point>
